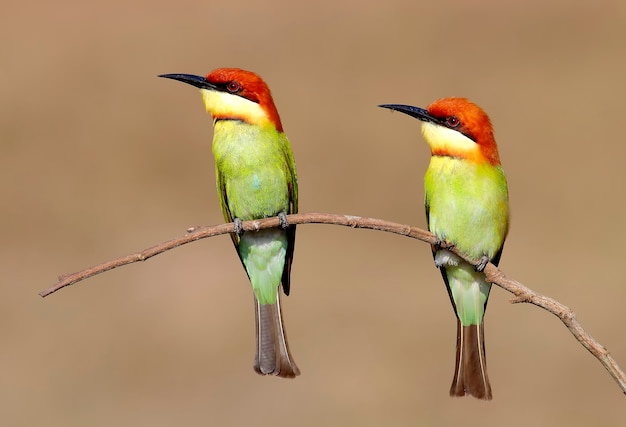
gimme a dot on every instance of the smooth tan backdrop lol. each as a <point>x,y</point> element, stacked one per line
<point>99,158</point>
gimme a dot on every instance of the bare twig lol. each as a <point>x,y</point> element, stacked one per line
<point>493,274</point>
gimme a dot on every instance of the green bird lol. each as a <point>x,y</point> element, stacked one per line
<point>256,178</point>
<point>467,205</point>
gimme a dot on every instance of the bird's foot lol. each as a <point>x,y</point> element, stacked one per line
<point>482,263</point>
<point>238,227</point>
<point>443,255</point>
<point>442,244</point>
<point>282,220</point>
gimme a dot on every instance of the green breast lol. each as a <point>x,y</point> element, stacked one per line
<point>467,204</point>
<point>252,169</point>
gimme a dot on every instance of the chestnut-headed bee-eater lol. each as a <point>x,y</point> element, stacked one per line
<point>466,199</point>
<point>256,178</point>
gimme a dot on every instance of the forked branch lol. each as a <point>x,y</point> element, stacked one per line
<point>494,275</point>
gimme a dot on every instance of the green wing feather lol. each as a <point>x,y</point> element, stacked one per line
<point>293,208</point>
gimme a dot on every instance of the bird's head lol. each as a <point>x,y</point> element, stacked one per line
<point>455,127</point>
<point>234,94</point>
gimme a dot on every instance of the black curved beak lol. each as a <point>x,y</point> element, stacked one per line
<point>197,81</point>
<point>418,113</point>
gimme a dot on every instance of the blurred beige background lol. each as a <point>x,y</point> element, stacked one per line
<point>100,158</point>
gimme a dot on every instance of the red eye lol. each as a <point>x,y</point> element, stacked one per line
<point>453,121</point>
<point>233,87</point>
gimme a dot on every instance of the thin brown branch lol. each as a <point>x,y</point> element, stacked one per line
<point>494,275</point>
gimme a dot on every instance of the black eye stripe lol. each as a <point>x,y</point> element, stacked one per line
<point>454,123</point>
